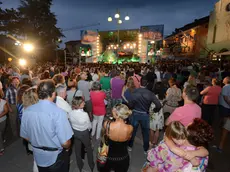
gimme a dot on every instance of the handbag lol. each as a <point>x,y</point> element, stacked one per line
<point>103,149</point>
<point>145,167</point>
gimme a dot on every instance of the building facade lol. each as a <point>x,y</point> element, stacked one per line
<point>219,27</point>
<point>188,41</point>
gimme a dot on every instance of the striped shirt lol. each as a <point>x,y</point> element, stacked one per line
<point>20,110</point>
<point>11,94</point>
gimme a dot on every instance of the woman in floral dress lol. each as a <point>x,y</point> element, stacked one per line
<point>156,124</point>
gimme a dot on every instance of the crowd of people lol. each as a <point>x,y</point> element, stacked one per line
<point>57,109</point>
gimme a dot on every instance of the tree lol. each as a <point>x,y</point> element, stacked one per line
<point>36,22</point>
<point>33,21</point>
<point>8,20</point>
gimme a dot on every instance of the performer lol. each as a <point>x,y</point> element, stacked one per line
<point>151,55</point>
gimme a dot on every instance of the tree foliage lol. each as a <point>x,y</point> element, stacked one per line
<point>32,20</point>
<point>8,20</point>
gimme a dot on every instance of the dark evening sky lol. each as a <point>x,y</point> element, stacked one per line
<point>171,13</point>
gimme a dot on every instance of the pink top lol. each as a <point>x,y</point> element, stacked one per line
<point>97,98</point>
<point>211,95</point>
<point>185,114</point>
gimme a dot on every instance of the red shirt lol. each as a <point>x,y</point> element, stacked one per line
<point>97,98</point>
<point>211,95</point>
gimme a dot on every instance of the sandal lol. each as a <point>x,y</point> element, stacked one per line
<point>2,152</point>
<point>217,149</point>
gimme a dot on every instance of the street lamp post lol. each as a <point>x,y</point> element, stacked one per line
<point>117,17</point>
<point>65,58</point>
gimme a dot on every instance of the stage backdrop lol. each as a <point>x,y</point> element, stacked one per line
<point>89,36</point>
<point>153,32</point>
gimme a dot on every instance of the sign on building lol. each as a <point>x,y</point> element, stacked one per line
<point>152,32</point>
<point>89,36</point>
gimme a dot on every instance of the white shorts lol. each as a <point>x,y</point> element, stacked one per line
<point>227,124</point>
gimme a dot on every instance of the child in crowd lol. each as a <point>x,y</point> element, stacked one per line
<point>164,158</point>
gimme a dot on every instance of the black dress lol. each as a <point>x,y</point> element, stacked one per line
<point>118,157</point>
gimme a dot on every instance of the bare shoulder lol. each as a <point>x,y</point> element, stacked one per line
<point>130,128</point>
<point>106,122</point>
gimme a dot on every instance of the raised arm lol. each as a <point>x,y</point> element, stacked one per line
<point>123,94</point>
<point>205,91</point>
<point>176,150</point>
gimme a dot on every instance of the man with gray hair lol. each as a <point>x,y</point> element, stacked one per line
<point>60,99</point>
<point>35,82</point>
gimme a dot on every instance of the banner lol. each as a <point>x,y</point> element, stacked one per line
<point>153,32</point>
<point>89,36</point>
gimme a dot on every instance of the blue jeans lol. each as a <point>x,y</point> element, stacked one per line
<point>142,119</point>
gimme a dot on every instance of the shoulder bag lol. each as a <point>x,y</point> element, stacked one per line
<point>104,148</point>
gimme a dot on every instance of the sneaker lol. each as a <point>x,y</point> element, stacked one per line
<point>217,149</point>
<point>130,149</point>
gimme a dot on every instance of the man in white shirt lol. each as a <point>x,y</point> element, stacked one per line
<point>60,100</point>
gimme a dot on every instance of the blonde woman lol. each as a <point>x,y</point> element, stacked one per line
<point>118,134</point>
<point>29,98</point>
<point>128,90</point>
